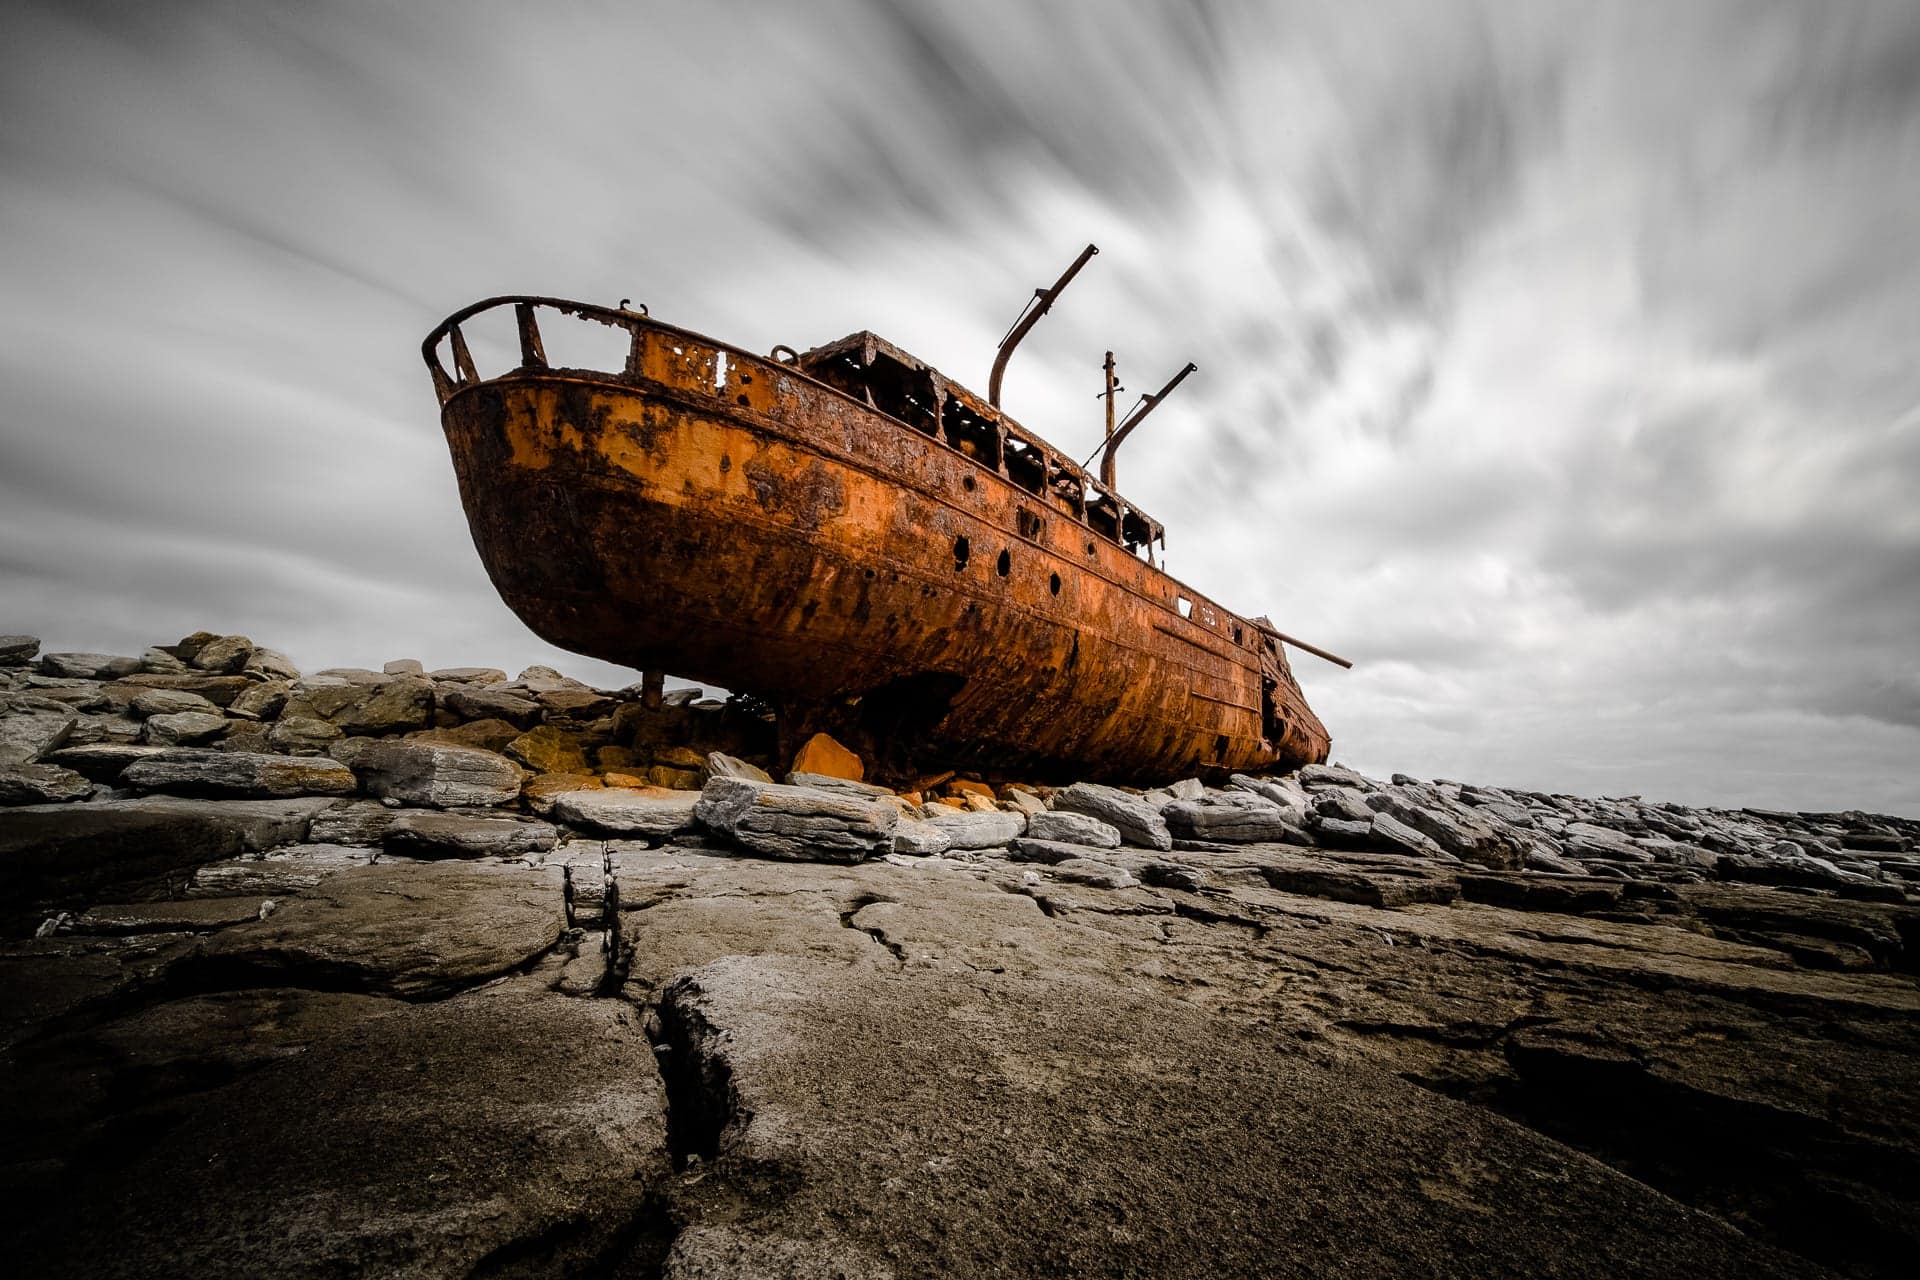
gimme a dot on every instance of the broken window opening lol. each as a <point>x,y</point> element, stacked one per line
<point>961,550</point>
<point>1103,514</point>
<point>1026,466</point>
<point>1183,606</point>
<point>1006,563</point>
<point>1030,525</point>
<point>1136,531</point>
<point>1065,487</point>
<point>584,342</point>
<point>903,393</point>
<point>970,433</point>
<point>843,373</point>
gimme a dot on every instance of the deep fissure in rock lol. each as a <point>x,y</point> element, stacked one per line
<point>701,1102</point>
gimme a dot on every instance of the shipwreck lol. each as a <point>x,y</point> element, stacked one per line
<point>856,539</point>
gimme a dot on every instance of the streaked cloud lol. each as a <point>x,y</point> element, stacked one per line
<point>1556,359</point>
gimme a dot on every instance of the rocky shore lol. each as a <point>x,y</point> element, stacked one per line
<point>446,973</point>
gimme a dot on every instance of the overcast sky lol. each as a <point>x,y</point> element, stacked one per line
<point>1560,364</point>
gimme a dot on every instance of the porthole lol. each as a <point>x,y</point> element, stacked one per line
<point>1053,584</point>
<point>960,553</point>
<point>966,482</point>
<point>1089,548</point>
<point>1006,564</point>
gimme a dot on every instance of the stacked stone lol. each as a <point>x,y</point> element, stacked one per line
<point>124,769</point>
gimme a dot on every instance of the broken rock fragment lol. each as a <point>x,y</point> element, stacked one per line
<point>1066,827</point>
<point>654,813</point>
<point>200,772</point>
<point>799,823</point>
<point>1233,817</point>
<point>41,784</point>
<point>437,775</point>
<point>1137,820</point>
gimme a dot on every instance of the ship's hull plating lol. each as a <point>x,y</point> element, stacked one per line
<point>729,520</point>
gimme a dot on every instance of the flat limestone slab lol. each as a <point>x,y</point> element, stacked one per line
<point>986,1126</point>
<point>419,1143</point>
<point>63,854</point>
<point>413,930</point>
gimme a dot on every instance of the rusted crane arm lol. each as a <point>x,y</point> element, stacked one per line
<point>1032,317</point>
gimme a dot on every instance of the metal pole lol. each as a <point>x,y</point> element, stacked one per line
<point>1134,419</point>
<point>1027,321</point>
<point>1317,652</point>
<point>1106,462</point>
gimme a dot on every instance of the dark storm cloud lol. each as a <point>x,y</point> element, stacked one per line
<point>1556,359</point>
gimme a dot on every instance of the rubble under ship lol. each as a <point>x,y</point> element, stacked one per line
<point>856,539</point>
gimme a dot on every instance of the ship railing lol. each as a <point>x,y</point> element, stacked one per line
<point>1018,456</point>
<point>532,348</point>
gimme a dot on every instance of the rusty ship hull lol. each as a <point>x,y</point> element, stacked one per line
<point>848,532</point>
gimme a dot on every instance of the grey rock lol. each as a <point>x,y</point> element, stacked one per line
<point>972,829</point>
<point>102,761</point>
<point>722,765</point>
<point>1342,833</point>
<point>1028,802</point>
<point>18,651</point>
<point>223,655</point>
<point>160,662</point>
<point>434,834</point>
<point>166,702</point>
<point>354,822</point>
<point>88,666</point>
<point>275,873</point>
<point>486,704</point>
<point>349,675</point>
<point>1065,827</point>
<point>915,837</point>
<point>303,735</point>
<point>799,823</point>
<point>1345,803</point>
<point>1394,836</point>
<point>1188,789</point>
<point>431,773</point>
<point>69,851</point>
<point>185,728</point>
<point>1456,830</point>
<point>189,915</point>
<point>1584,840</point>
<point>25,738</point>
<point>1094,873</point>
<point>200,772</point>
<point>270,664</point>
<point>404,667</point>
<point>1138,822</point>
<point>1234,817</point>
<point>1167,875</point>
<point>1028,849</point>
<point>1540,858</point>
<point>652,814</point>
<point>1285,792</point>
<point>470,675</point>
<point>1317,777</point>
<point>502,1116</point>
<point>219,690</point>
<point>846,786</point>
<point>415,931</point>
<point>41,784</point>
<point>395,705</point>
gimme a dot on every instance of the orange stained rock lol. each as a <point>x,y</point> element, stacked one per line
<point>825,756</point>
